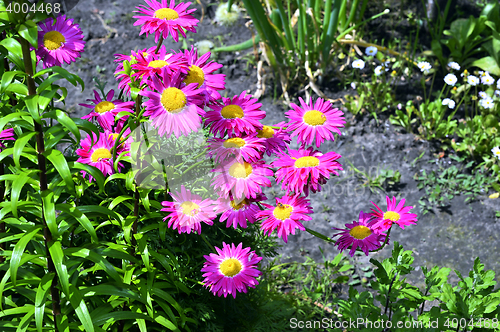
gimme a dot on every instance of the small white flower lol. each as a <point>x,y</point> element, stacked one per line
<point>400,106</point>
<point>371,50</point>
<point>353,86</point>
<point>386,64</point>
<point>496,152</point>
<point>445,101</point>
<point>424,66</point>
<point>487,79</point>
<point>487,103</point>
<point>358,64</point>
<point>483,94</point>
<point>378,70</point>
<point>497,93</point>
<point>498,84</point>
<point>203,46</point>
<point>454,65</point>
<point>451,104</point>
<point>223,17</point>
<point>450,79</point>
<point>472,80</point>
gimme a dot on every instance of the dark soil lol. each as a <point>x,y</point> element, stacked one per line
<point>451,237</point>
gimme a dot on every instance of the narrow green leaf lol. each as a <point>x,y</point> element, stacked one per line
<point>75,212</point>
<point>98,259</point>
<point>7,78</point>
<point>56,252</point>
<point>49,212</point>
<point>19,145</point>
<point>32,106</point>
<point>59,161</point>
<point>81,309</point>
<point>18,251</point>
<point>29,31</point>
<point>17,88</point>
<point>94,172</point>
<point>17,187</point>
<point>41,295</point>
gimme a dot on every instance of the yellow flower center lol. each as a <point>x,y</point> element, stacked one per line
<point>266,132</point>
<point>230,267</point>
<point>158,64</point>
<point>195,75</point>
<point>173,100</point>
<point>166,14</point>
<point>52,40</point>
<point>282,211</point>
<point>497,152</point>
<point>115,136</point>
<point>189,208</point>
<point>101,153</point>
<point>360,232</point>
<point>314,118</point>
<point>237,206</point>
<point>391,215</point>
<point>306,162</point>
<point>104,106</point>
<point>235,142</point>
<point>240,171</point>
<point>231,112</point>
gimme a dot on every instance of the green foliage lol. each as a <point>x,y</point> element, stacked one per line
<point>382,180</point>
<point>467,306</point>
<point>477,137</point>
<point>440,187</point>
<point>373,97</point>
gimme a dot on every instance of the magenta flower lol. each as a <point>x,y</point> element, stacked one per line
<point>395,214</point>
<point>150,64</point>
<point>286,216</point>
<point>275,140</point>
<point>6,135</point>
<point>232,270</point>
<point>242,149</point>
<point>238,212</point>
<point>305,169</point>
<point>188,211</point>
<point>314,122</point>
<point>124,80</point>
<point>202,73</point>
<point>173,109</point>
<point>99,155</point>
<point>59,41</point>
<point>359,235</point>
<point>242,180</point>
<point>235,116</point>
<point>105,111</point>
<point>165,19</point>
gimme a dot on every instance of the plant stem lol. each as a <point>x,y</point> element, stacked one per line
<point>138,102</point>
<point>40,144</point>
<point>389,292</point>
<point>159,44</point>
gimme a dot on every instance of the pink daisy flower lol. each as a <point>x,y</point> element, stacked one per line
<point>359,234</point>
<point>125,143</point>
<point>286,216</point>
<point>105,111</point>
<point>232,270</point>
<point>242,180</point>
<point>238,212</point>
<point>99,155</point>
<point>316,121</point>
<point>6,135</point>
<point>240,114</point>
<point>188,211</point>
<point>173,109</point>
<point>151,63</point>
<point>202,73</point>
<point>274,140</point>
<point>394,214</point>
<point>305,169</point>
<point>124,79</point>
<point>163,19</point>
<point>247,148</point>
<point>59,41</point>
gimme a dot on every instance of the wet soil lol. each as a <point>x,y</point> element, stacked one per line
<point>451,237</point>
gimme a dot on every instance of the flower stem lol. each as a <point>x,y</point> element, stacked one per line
<point>54,292</point>
<point>159,44</point>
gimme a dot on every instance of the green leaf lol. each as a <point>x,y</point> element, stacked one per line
<point>17,187</point>
<point>488,64</point>
<point>17,88</point>
<point>24,323</point>
<point>66,121</point>
<point>7,78</point>
<point>94,172</point>
<point>29,31</point>
<point>94,257</point>
<point>81,309</point>
<point>88,127</point>
<point>19,145</point>
<point>18,251</point>
<point>118,315</point>
<point>15,53</point>
<point>75,212</point>
<point>56,252</point>
<point>59,161</point>
<point>321,236</point>
<point>72,78</point>
<point>41,295</point>
<point>49,212</point>
<point>32,105</point>
<point>118,200</point>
